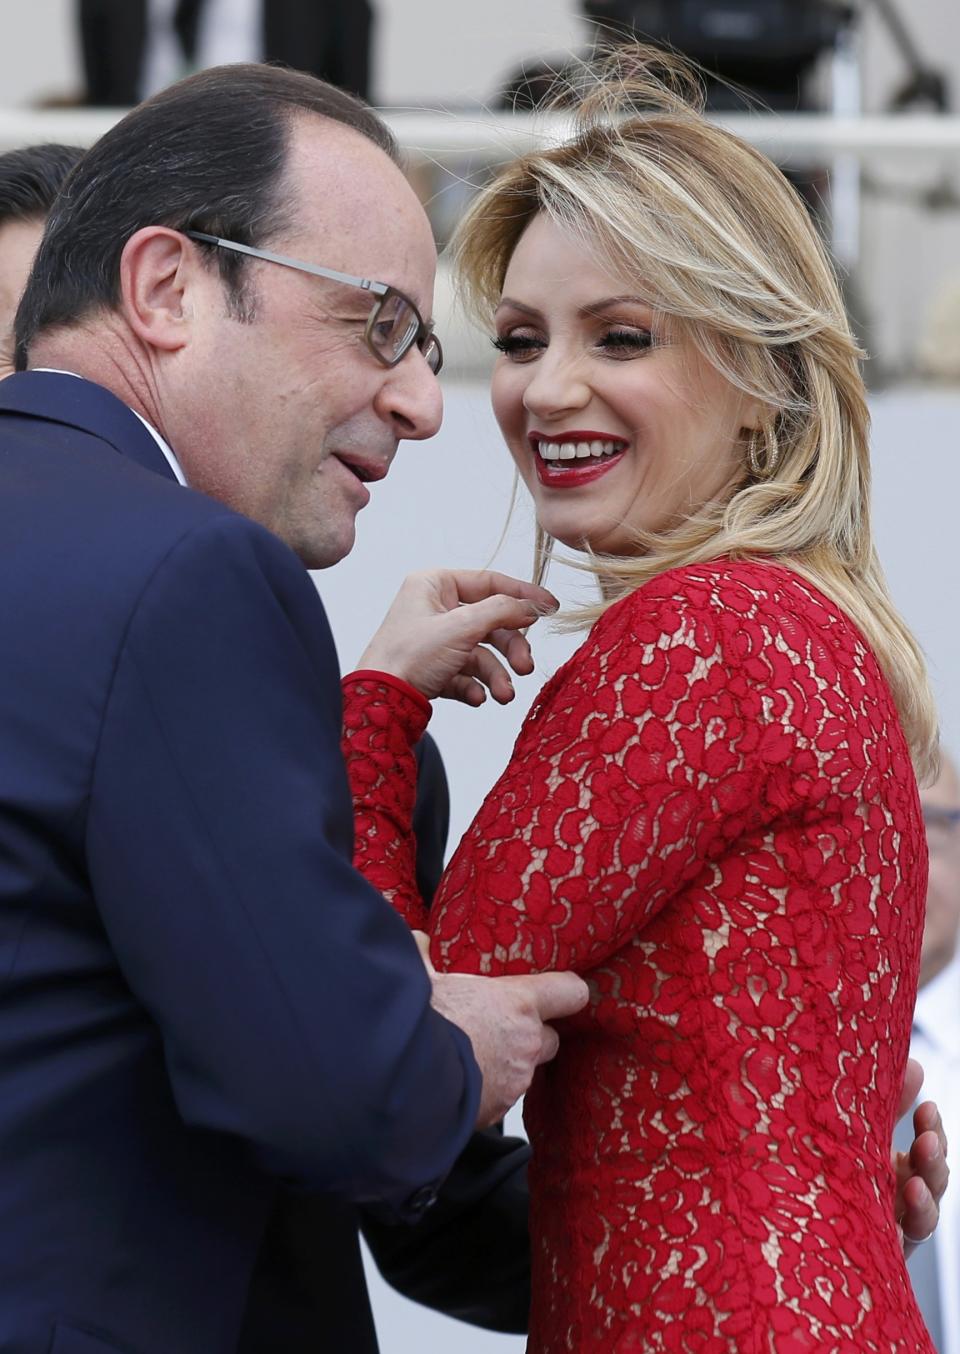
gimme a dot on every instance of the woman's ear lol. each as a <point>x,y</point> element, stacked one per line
<point>754,416</point>
<point>158,267</point>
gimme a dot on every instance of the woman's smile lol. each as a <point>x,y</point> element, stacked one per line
<point>617,426</point>
<point>572,458</point>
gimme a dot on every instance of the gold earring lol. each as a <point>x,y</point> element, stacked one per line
<point>763,453</point>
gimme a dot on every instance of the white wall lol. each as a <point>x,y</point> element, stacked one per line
<point>39,54</point>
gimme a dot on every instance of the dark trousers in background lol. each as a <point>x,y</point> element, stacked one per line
<point>330,39</point>
<point>112,39</point>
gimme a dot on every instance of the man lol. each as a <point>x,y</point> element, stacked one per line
<point>936,1042</point>
<point>29,181</point>
<point>203,1006</point>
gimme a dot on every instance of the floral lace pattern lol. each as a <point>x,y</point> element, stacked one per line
<point>710,812</point>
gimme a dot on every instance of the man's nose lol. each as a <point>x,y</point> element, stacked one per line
<point>410,398</point>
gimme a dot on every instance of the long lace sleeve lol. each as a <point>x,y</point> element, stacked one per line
<point>382,720</point>
<point>643,758</point>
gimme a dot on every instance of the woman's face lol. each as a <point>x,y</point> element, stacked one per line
<point>614,427</point>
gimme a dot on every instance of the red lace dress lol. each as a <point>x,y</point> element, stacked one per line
<point>710,813</point>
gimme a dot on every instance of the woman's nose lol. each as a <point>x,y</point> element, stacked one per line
<point>556,385</point>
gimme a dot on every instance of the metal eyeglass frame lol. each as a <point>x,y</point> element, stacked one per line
<point>423,336</point>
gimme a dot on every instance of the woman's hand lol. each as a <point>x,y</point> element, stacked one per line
<point>922,1173</point>
<point>435,633</point>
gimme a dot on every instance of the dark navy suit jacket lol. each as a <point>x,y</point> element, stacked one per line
<point>201,1004</point>
<point>468,1256</point>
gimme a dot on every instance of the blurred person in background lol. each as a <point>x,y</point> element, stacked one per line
<point>29,181</point>
<point>331,40</point>
<point>935,1269</point>
<point>134,47</point>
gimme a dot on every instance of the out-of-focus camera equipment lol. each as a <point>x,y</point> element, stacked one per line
<point>767,47</point>
<point>751,52</point>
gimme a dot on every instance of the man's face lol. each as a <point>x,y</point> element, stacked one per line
<point>941,811</point>
<point>287,417</point>
<point>18,245</point>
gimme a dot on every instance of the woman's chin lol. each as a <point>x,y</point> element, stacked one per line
<point>610,539</point>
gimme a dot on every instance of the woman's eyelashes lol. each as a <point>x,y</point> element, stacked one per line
<point>518,345</point>
<point>626,342</point>
<point>619,342</point>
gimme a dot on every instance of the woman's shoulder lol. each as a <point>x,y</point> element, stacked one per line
<point>748,589</point>
<point>734,606</point>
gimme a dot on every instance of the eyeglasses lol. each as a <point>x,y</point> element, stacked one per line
<point>394,324</point>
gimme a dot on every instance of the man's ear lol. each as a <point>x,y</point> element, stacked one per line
<point>158,267</point>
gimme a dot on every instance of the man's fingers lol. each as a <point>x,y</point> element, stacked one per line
<point>556,995</point>
<point>912,1081</point>
<point>549,1044</point>
<point>926,1119</point>
<point>928,1160</point>
<point>920,1215</point>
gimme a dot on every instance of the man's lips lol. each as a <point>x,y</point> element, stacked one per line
<point>574,457</point>
<point>366,469</point>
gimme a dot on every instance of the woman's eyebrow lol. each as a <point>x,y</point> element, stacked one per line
<point>591,307</point>
<point>518,305</point>
<point>609,301</point>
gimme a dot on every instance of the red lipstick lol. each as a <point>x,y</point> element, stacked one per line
<point>571,474</point>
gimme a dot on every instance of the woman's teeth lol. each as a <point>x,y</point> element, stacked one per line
<point>576,451</point>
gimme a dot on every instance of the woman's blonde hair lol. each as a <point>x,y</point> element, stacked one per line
<point>726,252</point>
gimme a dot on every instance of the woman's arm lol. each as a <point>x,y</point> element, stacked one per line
<point>383,718</point>
<point>645,756</point>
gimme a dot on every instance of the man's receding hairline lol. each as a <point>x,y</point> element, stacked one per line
<point>298,118</point>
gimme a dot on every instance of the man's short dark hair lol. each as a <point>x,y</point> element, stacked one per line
<point>206,154</point>
<point>31,178</point>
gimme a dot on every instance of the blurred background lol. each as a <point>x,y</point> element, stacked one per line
<point>858,102</point>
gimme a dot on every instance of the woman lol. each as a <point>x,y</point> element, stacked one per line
<point>711,810</point>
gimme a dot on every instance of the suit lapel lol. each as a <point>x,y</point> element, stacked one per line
<point>76,403</point>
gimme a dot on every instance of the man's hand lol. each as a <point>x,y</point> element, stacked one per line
<point>922,1172</point>
<point>505,1019</point>
<point>434,634</point>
